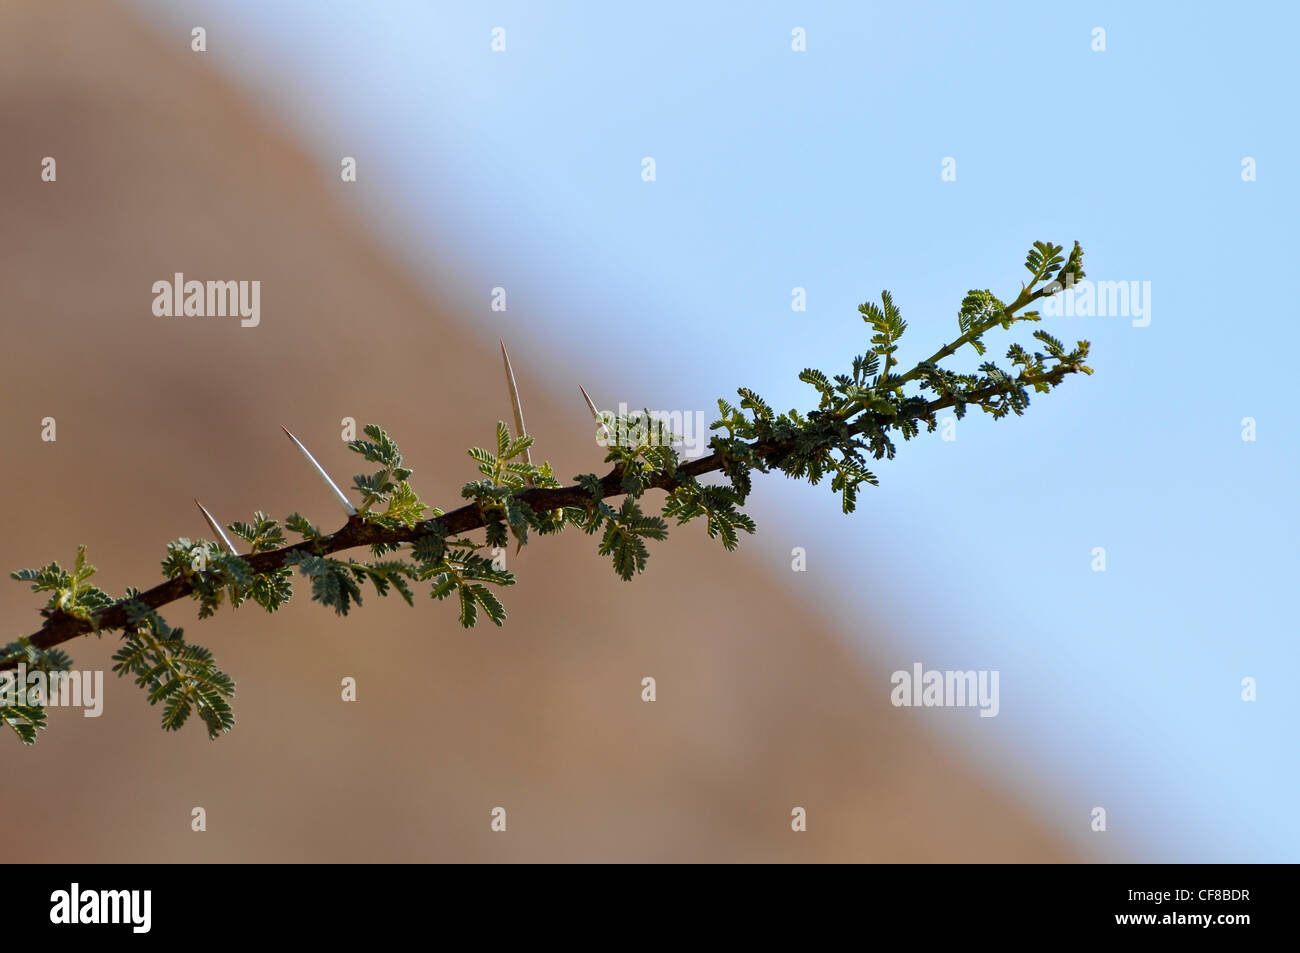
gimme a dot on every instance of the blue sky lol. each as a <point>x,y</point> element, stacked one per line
<point>821,169</point>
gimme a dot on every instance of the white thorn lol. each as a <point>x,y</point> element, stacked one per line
<point>594,412</point>
<point>515,404</point>
<point>216,527</point>
<point>347,506</point>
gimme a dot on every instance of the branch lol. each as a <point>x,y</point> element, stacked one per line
<point>856,417</point>
<point>62,627</point>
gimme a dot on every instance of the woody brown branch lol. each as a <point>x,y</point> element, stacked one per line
<point>61,627</point>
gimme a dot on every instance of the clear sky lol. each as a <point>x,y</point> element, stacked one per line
<point>821,169</point>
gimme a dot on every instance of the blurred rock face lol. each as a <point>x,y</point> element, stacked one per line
<point>161,168</point>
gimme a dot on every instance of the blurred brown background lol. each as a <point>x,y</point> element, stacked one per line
<point>163,168</point>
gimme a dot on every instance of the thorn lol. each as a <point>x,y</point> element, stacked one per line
<point>216,527</point>
<point>590,403</point>
<point>515,405</point>
<point>594,412</point>
<point>347,506</point>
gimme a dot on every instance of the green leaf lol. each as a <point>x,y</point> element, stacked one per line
<point>754,404</point>
<point>332,583</point>
<point>173,671</point>
<point>262,535</point>
<point>299,524</point>
<point>72,594</point>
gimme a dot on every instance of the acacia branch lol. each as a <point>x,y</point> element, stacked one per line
<point>853,422</point>
<point>63,627</point>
